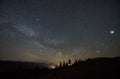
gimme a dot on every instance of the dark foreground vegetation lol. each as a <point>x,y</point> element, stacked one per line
<point>97,68</point>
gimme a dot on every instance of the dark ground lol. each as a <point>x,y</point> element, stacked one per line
<point>97,68</point>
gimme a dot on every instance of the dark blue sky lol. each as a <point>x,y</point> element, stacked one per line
<point>55,30</point>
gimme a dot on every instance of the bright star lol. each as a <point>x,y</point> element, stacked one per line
<point>112,31</point>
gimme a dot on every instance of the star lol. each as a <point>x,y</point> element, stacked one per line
<point>37,19</point>
<point>112,31</point>
<point>98,51</point>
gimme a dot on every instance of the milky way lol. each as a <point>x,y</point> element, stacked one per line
<point>55,30</point>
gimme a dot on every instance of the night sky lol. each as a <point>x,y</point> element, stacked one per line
<point>54,30</point>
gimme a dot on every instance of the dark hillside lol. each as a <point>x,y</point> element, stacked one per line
<point>97,68</point>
